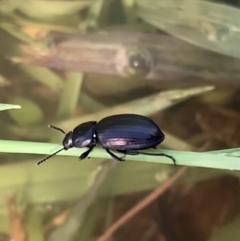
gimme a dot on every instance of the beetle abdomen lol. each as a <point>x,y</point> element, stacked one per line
<point>128,132</point>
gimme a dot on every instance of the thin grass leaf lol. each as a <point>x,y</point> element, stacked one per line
<point>89,104</point>
<point>40,184</point>
<point>44,76</point>
<point>71,88</point>
<point>7,6</point>
<point>9,106</point>
<point>91,217</point>
<point>77,216</point>
<point>228,152</point>
<point>94,13</point>
<point>52,9</point>
<point>69,26</point>
<point>17,32</point>
<point>186,158</point>
<point>208,24</point>
<point>176,143</point>
<point>144,106</point>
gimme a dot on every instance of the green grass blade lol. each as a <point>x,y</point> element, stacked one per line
<point>44,76</point>
<point>72,88</point>
<point>186,158</point>
<point>77,215</point>
<point>228,152</point>
<point>144,106</point>
<point>9,106</point>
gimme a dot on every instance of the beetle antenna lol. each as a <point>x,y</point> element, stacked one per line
<point>46,158</point>
<point>57,128</point>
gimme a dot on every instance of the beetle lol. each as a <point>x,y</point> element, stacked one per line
<point>123,133</point>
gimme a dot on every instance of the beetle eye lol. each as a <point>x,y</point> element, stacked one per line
<point>67,141</point>
<point>139,63</point>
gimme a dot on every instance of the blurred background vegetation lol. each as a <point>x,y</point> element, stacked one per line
<point>126,53</point>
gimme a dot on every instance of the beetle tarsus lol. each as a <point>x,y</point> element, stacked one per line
<point>86,153</point>
<point>168,156</point>
<point>172,158</point>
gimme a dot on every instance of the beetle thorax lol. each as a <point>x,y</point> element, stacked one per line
<point>88,139</point>
<point>68,141</point>
<point>83,135</point>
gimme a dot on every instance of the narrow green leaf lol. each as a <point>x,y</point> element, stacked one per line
<point>71,88</point>
<point>44,76</point>
<point>52,9</point>
<point>186,158</point>
<point>9,106</point>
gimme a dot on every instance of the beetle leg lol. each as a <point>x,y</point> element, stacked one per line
<point>160,154</point>
<point>129,152</point>
<point>170,157</point>
<point>86,153</point>
<point>114,156</point>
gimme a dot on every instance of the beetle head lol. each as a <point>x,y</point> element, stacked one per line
<point>68,141</point>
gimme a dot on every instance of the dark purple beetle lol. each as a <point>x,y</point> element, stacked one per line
<point>124,133</point>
